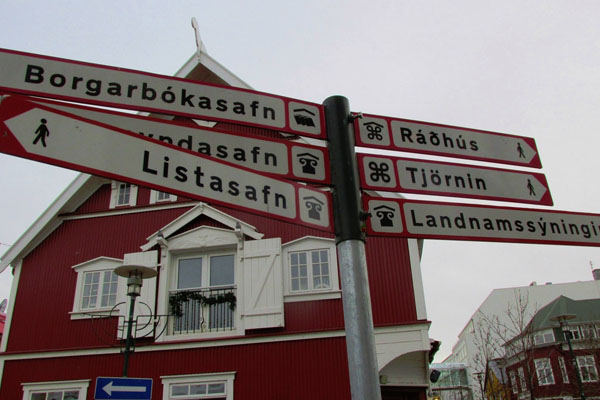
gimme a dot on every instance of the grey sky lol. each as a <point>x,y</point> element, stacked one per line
<point>528,68</point>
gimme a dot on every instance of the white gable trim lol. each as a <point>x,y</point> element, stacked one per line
<point>69,200</point>
<point>197,211</point>
<point>214,66</point>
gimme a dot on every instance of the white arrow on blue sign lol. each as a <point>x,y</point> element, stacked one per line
<point>123,388</point>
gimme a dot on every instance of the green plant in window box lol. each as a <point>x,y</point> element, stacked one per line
<point>176,300</point>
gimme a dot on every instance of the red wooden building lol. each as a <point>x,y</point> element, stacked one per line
<point>243,306</point>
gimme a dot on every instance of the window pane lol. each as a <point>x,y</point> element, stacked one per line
<point>55,396</point>
<point>198,389</point>
<point>216,388</point>
<point>90,290</point>
<point>38,396</point>
<point>123,194</point>
<point>189,274</point>
<point>221,270</point>
<point>179,390</point>
<point>72,395</point>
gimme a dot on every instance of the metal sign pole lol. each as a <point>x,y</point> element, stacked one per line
<point>358,320</point>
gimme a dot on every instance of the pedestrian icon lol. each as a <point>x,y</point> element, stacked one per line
<point>530,187</point>
<point>520,150</point>
<point>42,131</point>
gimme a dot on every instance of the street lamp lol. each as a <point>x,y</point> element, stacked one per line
<point>562,321</point>
<point>135,275</point>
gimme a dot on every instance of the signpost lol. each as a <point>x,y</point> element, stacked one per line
<point>62,79</point>
<point>444,140</point>
<point>405,175</point>
<point>454,221</point>
<point>123,388</point>
<point>48,135</point>
<point>244,172</point>
<point>284,158</point>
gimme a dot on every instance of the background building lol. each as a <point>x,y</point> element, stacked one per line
<point>502,315</point>
<point>542,362</point>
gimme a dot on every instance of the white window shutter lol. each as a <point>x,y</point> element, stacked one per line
<point>144,304</point>
<point>262,280</point>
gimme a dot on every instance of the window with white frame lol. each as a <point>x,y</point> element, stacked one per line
<point>522,380</point>
<point>65,390</point>
<point>587,368</point>
<point>200,386</point>
<point>161,197</point>
<point>310,267</point>
<point>543,370</point>
<point>563,369</point>
<point>123,194</point>
<point>97,286</point>
<point>513,382</point>
<point>309,270</point>
<point>543,337</point>
<point>203,296</point>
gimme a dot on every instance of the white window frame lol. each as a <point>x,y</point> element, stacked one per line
<point>308,244</point>
<point>35,387</point>
<point>100,264</point>
<point>226,377</point>
<point>513,382</point>
<point>522,382</point>
<point>114,195</point>
<point>155,197</point>
<point>563,369</point>
<point>544,372</point>
<point>198,241</point>
<point>589,365</point>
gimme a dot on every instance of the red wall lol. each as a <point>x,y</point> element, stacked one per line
<point>263,371</point>
<point>47,283</point>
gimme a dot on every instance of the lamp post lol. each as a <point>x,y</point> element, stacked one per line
<point>562,321</point>
<point>135,275</point>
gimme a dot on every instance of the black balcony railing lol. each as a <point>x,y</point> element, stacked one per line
<point>202,310</point>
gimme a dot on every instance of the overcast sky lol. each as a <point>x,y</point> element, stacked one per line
<point>529,68</point>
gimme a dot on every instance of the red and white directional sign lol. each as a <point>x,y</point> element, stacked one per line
<point>444,140</point>
<point>37,132</point>
<point>405,175</point>
<point>62,79</point>
<point>284,158</point>
<point>453,221</point>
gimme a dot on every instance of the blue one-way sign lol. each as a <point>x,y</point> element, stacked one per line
<point>123,388</point>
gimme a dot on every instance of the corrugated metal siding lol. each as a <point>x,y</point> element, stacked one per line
<point>307,369</point>
<point>48,277</point>
<point>99,201</point>
<point>47,284</point>
<point>390,281</point>
<point>306,316</point>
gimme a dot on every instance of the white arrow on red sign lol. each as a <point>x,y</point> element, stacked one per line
<point>453,221</point>
<point>62,79</point>
<point>283,158</point>
<point>444,140</point>
<point>405,175</point>
<point>47,135</point>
